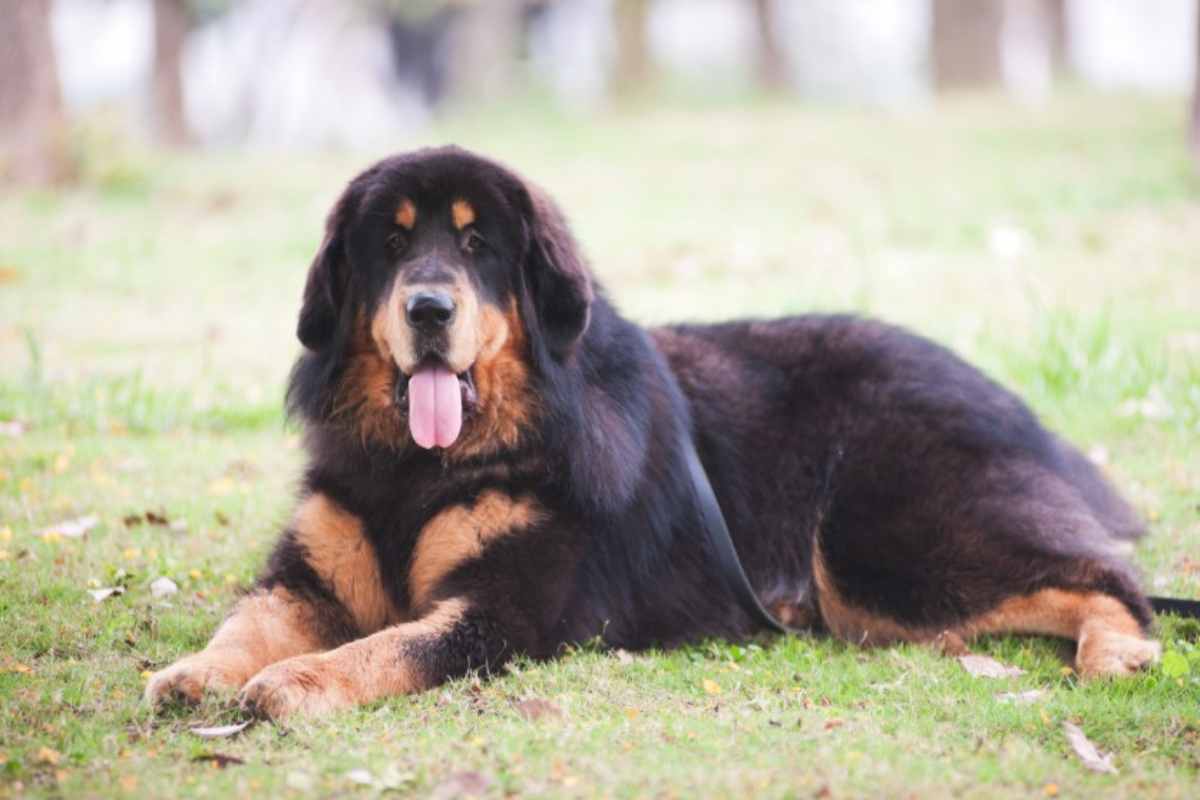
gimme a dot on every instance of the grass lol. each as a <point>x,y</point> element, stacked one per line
<point>146,326</point>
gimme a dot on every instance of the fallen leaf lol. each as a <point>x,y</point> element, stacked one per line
<point>1022,698</point>
<point>711,686</point>
<point>360,777</point>
<point>220,731</point>
<point>15,667</point>
<point>986,667</point>
<point>1087,751</point>
<point>48,755</point>
<point>163,587</point>
<point>102,594</point>
<point>535,708</point>
<point>6,534</point>
<point>72,528</point>
<point>463,784</point>
<point>13,428</point>
<point>221,760</point>
<point>298,780</point>
<point>1050,790</point>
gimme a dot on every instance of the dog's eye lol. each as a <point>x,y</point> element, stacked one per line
<point>472,242</point>
<point>396,241</point>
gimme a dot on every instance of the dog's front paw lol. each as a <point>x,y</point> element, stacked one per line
<point>306,685</point>
<point>188,679</point>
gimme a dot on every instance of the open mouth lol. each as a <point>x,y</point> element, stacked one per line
<point>436,401</point>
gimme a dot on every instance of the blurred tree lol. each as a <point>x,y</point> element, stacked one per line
<point>170,33</point>
<point>172,21</point>
<point>633,68</point>
<point>33,133</point>
<point>1194,134</point>
<point>1060,35</point>
<point>483,43</point>
<point>967,43</point>
<point>772,71</point>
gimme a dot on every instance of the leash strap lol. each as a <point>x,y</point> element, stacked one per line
<point>721,543</point>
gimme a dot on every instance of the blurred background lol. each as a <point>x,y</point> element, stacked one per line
<point>999,174</point>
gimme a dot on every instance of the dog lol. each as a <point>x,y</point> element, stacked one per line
<point>494,468</point>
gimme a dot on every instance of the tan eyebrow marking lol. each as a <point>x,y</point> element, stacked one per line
<point>463,213</point>
<point>406,214</point>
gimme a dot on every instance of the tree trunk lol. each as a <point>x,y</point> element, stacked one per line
<point>772,71</point>
<point>33,135</point>
<point>483,44</point>
<point>170,32</point>
<point>632,71</point>
<point>967,43</point>
<point>1060,36</point>
<point>1194,133</point>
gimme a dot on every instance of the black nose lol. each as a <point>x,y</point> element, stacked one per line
<point>429,310</point>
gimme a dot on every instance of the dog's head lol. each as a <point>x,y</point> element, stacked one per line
<point>443,279</point>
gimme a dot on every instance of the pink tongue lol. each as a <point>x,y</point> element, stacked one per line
<point>434,407</point>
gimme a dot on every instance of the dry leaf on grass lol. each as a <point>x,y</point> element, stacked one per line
<point>13,428</point>
<point>71,528</point>
<point>986,667</point>
<point>360,777</point>
<point>163,587</point>
<point>463,784</point>
<point>1022,698</point>
<point>221,760</point>
<point>220,731</point>
<point>1087,751</point>
<point>711,686</point>
<point>535,708</point>
<point>102,594</point>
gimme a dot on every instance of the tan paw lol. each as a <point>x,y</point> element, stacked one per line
<point>1103,652</point>
<point>307,685</point>
<point>189,678</point>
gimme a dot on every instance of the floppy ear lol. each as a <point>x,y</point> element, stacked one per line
<point>558,277</point>
<point>326,285</point>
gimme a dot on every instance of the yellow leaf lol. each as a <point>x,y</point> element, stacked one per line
<point>5,534</point>
<point>194,574</point>
<point>132,553</point>
<point>147,674</point>
<point>52,537</point>
<point>711,686</point>
<point>49,756</point>
<point>633,713</point>
<point>1050,790</point>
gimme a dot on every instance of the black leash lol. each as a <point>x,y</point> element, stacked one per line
<point>721,543</point>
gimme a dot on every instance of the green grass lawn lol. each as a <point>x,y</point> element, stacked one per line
<point>146,328</point>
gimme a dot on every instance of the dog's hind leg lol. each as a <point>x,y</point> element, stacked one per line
<point>1109,639</point>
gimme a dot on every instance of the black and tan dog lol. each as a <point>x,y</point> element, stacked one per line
<point>495,468</point>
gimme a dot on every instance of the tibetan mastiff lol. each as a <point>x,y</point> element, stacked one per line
<point>495,468</point>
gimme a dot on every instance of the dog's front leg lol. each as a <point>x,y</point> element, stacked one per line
<point>452,639</point>
<point>266,626</point>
